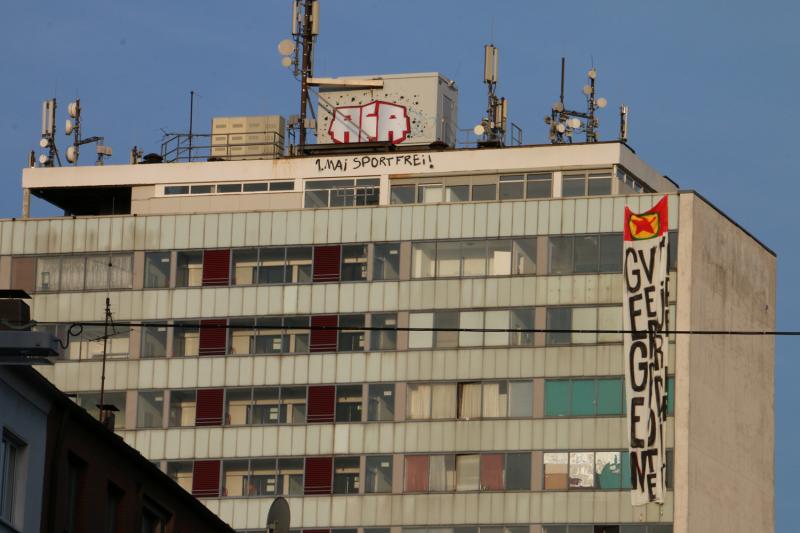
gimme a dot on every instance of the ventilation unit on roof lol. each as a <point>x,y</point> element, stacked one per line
<point>253,137</point>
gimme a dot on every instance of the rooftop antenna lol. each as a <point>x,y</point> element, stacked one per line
<point>298,54</point>
<point>74,129</point>
<point>623,123</point>
<point>48,140</point>
<point>565,123</point>
<point>492,128</point>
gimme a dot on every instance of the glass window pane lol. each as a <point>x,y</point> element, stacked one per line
<point>467,472</point>
<point>316,199</point>
<point>47,273</point>
<point>378,473</point>
<point>573,185</point>
<point>581,470</point>
<point>492,472</point>
<point>520,402</point>
<point>424,337</point>
<point>469,400</point>
<point>384,339</point>
<point>609,318</point>
<point>186,339</point>
<point>429,193</point>
<point>512,191</point>
<point>416,473</point>
<point>582,397</point>
<point>354,262</point>
<point>348,403</point>
<point>524,260</point>
<point>298,264</point>
<point>473,256</point>
<point>190,269</point>
<point>443,473</point>
<point>556,397</point>
<point>97,268</point>
<point>120,271</point>
<point>352,338</point>
<point>555,471</point>
<point>610,254</point>
<point>418,401</point>
<point>423,260</point>
<point>559,318</point>
<point>72,273</point>
<point>608,470</point>
<point>182,408</point>
<point>443,401</point>
<point>259,187</point>
<point>402,194</point>
<point>266,406</point>
<point>456,193</point>
<point>443,321</point>
<point>521,324</point>
<point>386,262</point>
<point>599,184</point>
<point>483,193</point>
<point>272,265</point>
<point>626,470</point>
<point>672,251</point>
<point>584,318</point>
<point>518,471</point>
<point>496,320</point>
<point>499,258</point>
<point>470,320</point>
<point>448,259</point>
<point>671,395</point>
<point>245,266</point>
<point>586,251</point>
<point>539,185</point>
<point>380,402</point>
<point>346,475</point>
<point>561,256</point>
<point>150,409</point>
<point>495,400</point>
<point>154,341</point>
<point>156,270</point>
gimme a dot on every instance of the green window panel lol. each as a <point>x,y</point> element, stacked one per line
<point>609,397</point>
<point>556,397</point>
<point>583,397</point>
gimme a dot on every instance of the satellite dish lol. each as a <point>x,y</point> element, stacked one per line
<point>592,74</point>
<point>479,129</point>
<point>43,142</point>
<point>560,127</point>
<point>574,123</point>
<point>558,106</point>
<point>44,159</point>
<point>72,154</point>
<point>286,61</point>
<point>587,90</point>
<point>286,47</point>
<point>602,102</point>
<point>68,127</point>
<point>72,109</point>
<point>278,516</point>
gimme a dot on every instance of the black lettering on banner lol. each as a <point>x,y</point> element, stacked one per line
<point>634,312</point>
<point>630,254</point>
<point>649,264</point>
<point>636,403</point>
<point>649,301</point>
<point>637,359</point>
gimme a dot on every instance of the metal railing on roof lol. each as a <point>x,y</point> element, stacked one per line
<point>185,148</point>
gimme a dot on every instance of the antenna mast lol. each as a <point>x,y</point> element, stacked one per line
<point>564,123</point>
<point>492,128</point>
<point>305,28</point>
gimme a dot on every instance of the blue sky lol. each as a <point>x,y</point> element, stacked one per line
<point>711,86</point>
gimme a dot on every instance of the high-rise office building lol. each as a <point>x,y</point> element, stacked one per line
<point>402,336</point>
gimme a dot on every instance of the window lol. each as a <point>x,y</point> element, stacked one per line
<point>348,403</point>
<point>181,473</point>
<point>556,475</point>
<point>206,479</point>
<point>383,339</point>
<point>672,251</point>
<point>150,409</point>
<point>263,479</point>
<point>593,184</point>
<point>342,193</point>
<point>11,456</point>
<point>564,321</point>
<point>456,193</point>
<point>190,269</point>
<point>416,473</point>
<point>539,185</point>
<point>518,471</point>
<point>467,472</point>
<point>245,266</point>
<point>257,187</point>
<point>378,473</point>
<point>429,193</point>
<point>574,254</point>
<point>290,480</point>
<point>354,262</point>
<point>380,401</point>
<point>512,187</point>
<point>437,401</point>
<point>72,273</point>
<point>386,262</point>
<point>584,397</point>
<point>186,339</point>
<point>176,189</point>
<point>352,334</point>
<point>473,258</point>
<point>265,405</point>
<point>402,194</point>
<point>318,475</point>
<point>154,340</point>
<point>450,329</point>
<point>90,400</point>
<point>484,193</point>
<point>346,475</point>
<point>210,406</point>
<point>182,408</point>
<point>235,476</point>
<point>492,399</point>
<point>216,267</point>
<point>442,475</point>
<point>89,344</point>
<point>602,470</point>
<point>443,323</point>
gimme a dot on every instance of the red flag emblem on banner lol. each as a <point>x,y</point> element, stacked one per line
<point>642,226</point>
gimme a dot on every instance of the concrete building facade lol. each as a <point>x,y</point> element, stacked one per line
<point>360,334</point>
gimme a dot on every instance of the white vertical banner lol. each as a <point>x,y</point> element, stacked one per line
<point>646,346</point>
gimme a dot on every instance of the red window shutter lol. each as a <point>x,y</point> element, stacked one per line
<point>209,407</point>
<point>213,336</point>
<point>492,468</point>
<point>417,473</point>
<point>321,403</point>
<point>205,479</point>
<point>327,262</point>
<point>324,340</point>
<point>216,267</point>
<point>319,475</point>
